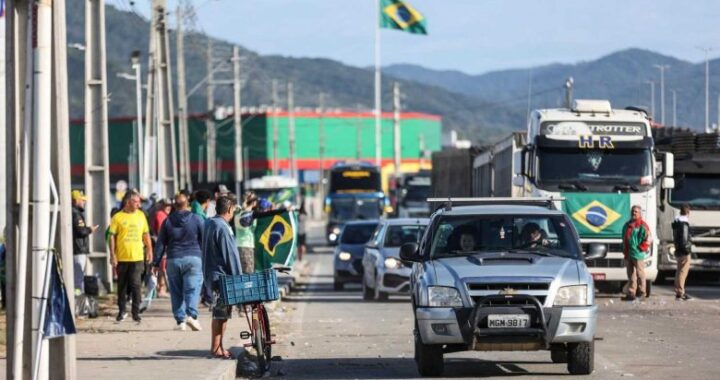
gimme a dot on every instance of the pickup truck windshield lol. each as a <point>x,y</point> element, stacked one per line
<point>699,191</point>
<point>477,234</point>
<point>593,166</point>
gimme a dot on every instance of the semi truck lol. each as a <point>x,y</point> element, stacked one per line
<point>697,184</point>
<point>277,189</point>
<point>600,161</point>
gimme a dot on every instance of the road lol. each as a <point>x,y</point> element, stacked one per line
<point>325,334</point>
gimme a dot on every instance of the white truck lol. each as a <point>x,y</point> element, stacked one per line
<point>277,189</point>
<point>601,161</point>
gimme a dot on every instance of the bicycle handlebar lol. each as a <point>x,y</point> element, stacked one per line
<point>282,269</point>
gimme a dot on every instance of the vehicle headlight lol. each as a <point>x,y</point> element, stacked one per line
<point>575,295</point>
<point>392,263</point>
<point>671,249</point>
<point>441,296</point>
<point>345,256</point>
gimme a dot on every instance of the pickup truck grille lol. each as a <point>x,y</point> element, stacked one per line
<point>515,286</point>
<point>510,302</point>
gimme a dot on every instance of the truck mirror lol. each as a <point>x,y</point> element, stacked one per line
<point>409,252</point>
<point>668,183</point>
<point>596,251</point>
<point>668,165</point>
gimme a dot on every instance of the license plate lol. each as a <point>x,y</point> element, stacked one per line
<point>598,276</point>
<point>501,321</point>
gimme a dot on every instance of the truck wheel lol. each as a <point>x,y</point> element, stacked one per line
<point>428,358</point>
<point>558,353</point>
<point>581,358</point>
<point>368,294</point>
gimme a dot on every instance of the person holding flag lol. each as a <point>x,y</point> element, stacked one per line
<point>269,224</point>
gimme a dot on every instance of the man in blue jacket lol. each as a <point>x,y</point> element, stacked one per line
<point>221,258</point>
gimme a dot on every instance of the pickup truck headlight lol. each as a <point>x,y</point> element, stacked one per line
<point>441,296</point>
<point>345,256</point>
<point>575,295</point>
<point>392,263</point>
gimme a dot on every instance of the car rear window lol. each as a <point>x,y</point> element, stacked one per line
<point>357,233</point>
<point>399,235</point>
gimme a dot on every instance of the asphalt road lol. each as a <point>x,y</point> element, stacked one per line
<point>324,334</point>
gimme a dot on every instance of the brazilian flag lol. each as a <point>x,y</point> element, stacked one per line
<point>397,14</point>
<point>275,240</point>
<point>598,214</point>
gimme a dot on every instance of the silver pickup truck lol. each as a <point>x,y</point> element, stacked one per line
<point>502,275</point>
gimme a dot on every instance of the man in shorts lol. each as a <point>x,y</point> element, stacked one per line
<point>220,259</point>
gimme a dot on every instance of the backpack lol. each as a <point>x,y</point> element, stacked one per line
<point>681,238</point>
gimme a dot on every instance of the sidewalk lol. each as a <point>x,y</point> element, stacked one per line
<point>152,349</point>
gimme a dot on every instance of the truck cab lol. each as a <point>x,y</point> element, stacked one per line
<point>601,160</point>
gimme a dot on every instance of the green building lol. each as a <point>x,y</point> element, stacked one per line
<point>348,136</point>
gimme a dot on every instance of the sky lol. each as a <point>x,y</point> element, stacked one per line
<point>474,36</point>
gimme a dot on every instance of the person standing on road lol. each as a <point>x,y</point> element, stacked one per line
<point>129,233</point>
<point>218,191</point>
<point>683,249</point>
<point>261,208</point>
<point>158,215</point>
<point>181,237</point>
<point>636,245</point>
<point>220,258</point>
<point>81,238</point>
<point>245,235</point>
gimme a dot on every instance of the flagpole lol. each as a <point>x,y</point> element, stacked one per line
<point>378,100</point>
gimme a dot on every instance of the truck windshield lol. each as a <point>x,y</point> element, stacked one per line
<point>699,191</point>
<point>417,193</point>
<point>593,166</point>
<point>534,234</point>
<point>353,208</point>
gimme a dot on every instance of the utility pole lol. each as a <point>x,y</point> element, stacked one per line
<point>396,128</point>
<point>135,61</point>
<point>291,132</point>
<point>97,178</point>
<point>652,98</point>
<point>707,50</point>
<point>62,350</point>
<point>210,121</point>
<point>276,137</point>
<point>166,147</point>
<point>662,91</point>
<point>674,101</point>
<point>185,180</point>
<point>421,145</point>
<point>150,143</point>
<point>321,140</point>
<point>237,119</point>
<point>569,83</point>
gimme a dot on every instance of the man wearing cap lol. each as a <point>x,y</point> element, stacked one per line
<point>81,237</point>
<point>220,190</point>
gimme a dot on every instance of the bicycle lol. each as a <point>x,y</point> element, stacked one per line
<point>250,292</point>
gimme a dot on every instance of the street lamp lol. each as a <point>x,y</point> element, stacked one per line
<point>135,62</point>
<point>662,91</point>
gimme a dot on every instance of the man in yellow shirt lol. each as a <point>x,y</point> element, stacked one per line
<point>129,234</point>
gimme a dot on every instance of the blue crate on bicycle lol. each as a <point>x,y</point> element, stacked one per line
<point>248,288</point>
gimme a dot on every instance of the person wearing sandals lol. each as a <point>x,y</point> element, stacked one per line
<point>180,236</point>
<point>220,258</point>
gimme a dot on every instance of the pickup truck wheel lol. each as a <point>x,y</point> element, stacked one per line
<point>581,358</point>
<point>428,358</point>
<point>559,354</point>
<point>368,294</point>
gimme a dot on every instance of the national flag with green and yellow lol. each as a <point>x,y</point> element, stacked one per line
<point>397,14</point>
<point>275,240</point>
<point>598,214</point>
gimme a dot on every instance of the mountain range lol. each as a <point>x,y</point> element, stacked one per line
<point>481,108</point>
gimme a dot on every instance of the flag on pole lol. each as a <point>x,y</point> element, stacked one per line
<point>397,14</point>
<point>275,236</point>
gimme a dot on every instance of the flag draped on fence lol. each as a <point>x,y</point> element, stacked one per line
<point>397,14</point>
<point>275,238</point>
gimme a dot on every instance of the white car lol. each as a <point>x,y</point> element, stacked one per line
<point>383,271</point>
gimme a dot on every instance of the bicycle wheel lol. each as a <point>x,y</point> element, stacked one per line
<point>261,331</point>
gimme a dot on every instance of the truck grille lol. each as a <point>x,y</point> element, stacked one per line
<point>514,286</point>
<point>606,263</point>
<point>701,230</point>
<point>613,247</point>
